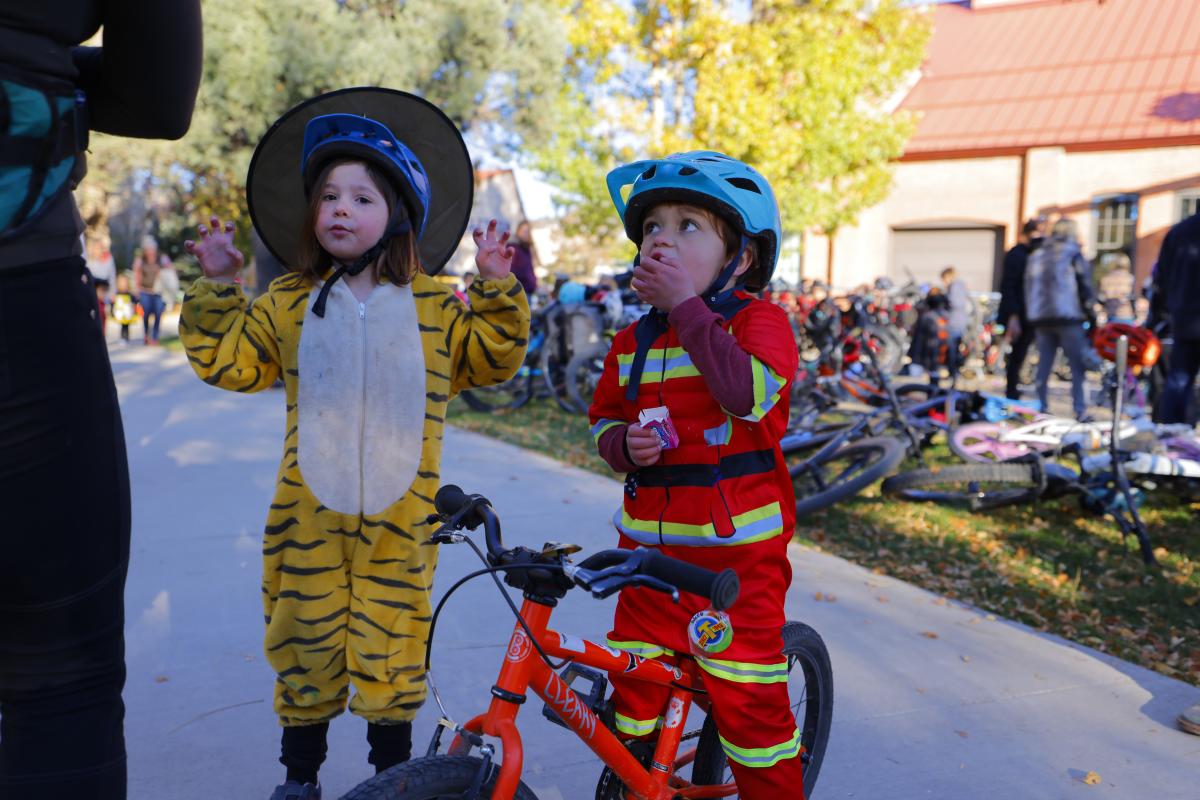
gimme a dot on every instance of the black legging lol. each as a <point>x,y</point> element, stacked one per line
<point>64,542</point>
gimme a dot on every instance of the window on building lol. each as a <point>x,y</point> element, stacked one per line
<point>1116,225</point>
<point>1189,203</point>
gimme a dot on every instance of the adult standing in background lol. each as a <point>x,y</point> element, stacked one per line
<point>1176,297</point>
<point>522,265</point>
<point>961,311</point>
<point>147,267</point>
<point>1058,300</point>
<point>63,469</point>
<point>1017,330</point>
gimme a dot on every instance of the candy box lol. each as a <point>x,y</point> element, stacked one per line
<point>659,420</point>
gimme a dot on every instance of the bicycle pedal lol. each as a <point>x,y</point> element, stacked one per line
<point>593,699</point>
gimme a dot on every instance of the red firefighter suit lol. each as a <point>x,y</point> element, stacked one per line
<point>722,498</point>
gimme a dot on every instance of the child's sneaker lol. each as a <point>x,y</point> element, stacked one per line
<point>294,790</point>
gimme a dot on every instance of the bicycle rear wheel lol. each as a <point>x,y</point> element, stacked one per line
<point>431,778</point>
<point>810,688</point>
<point>821,481</point>
<point>973,486</point>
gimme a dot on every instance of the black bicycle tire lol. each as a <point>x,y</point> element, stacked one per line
<point>891,453</point>
<point>577,361</point>
<point>812,655</point>
<point>548,362</point>
<point>430,778</point>
<point>475,398</point>
<point>1027,478</point>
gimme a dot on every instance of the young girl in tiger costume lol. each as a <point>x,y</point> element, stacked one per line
<point>370,349</point>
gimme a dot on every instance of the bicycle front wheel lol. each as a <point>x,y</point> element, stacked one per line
<point>431,778</point>
<point>810,690</point>
<point>512,393</point>
<point>821,481</point>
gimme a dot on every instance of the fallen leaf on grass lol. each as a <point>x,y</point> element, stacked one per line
<point>1092,779</point>
<point>929,634</point>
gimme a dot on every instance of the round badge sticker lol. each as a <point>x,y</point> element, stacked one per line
<point>710,632</point>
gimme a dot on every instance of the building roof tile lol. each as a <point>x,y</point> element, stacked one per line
<point>1082,73</point>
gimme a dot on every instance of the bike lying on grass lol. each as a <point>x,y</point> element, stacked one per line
<point>1101,482</point>
<point>545,576</point>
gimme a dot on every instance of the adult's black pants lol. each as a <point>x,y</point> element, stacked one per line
<point>1016,360</point>
<point>64,542</point>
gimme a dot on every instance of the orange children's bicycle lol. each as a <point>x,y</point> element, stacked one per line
<point>644,771</point>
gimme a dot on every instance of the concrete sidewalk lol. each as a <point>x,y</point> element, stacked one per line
<point>987,709</point>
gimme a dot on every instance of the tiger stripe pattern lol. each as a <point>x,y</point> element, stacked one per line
<point>346,592</point>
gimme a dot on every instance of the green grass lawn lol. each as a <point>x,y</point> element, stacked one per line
<point>1051,566</point>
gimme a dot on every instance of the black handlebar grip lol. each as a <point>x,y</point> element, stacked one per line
<point>450,499</point>
<point>721,588</point>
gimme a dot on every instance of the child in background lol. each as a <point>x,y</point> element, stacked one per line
<point>370,349</point>
<point>719,363</point>
<point>124,307</point>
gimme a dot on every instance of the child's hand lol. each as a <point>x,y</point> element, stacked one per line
<point>643,445</point>
<point>495,255</point>
<point>662,281</point>
<point>218,258</point>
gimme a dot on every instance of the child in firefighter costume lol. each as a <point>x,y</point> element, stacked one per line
<point>366,192</point>
<point>720,362</point>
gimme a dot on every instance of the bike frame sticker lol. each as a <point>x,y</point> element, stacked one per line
<point>572,643</point>
<point>519,648</point>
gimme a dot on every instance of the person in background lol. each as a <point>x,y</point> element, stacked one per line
<point>1116,289</point>
<point>104,271</point>
<point>522,243</point>
<point>1017,330</point>
<point>960,312</point>
<point>124,307</point>
<point>1058,301</point>
<point>147,266</point>
<point>63,468</point>
<point>1175,296</point>
<point>167,286</point>
<point>464,293</point>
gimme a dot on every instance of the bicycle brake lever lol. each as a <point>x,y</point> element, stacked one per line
<point>648,582</point>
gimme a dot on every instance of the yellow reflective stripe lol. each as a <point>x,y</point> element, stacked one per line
<point>762,756</point>
<point>662,364</point>
<point>768,387</point>
<point>744,671</point>
<point>644,649</point>
<point>603,425</point>
<point>636,727</point>
<point>751,526</point>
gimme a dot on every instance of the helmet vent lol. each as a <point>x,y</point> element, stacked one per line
<point>745,183</point>
<point>648,174</point>
<point>687,170</point>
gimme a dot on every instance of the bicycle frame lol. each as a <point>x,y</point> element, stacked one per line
<point>524,669</point>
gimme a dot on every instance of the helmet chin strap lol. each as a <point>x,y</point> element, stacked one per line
<point>398,224</point>
<point>715,291</point>
<point>654,322</point>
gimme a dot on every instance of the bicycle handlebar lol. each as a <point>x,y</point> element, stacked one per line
<point>602,573</point>
<point>721,588</point>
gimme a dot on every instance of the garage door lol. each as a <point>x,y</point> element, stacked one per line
<point>926,252</point>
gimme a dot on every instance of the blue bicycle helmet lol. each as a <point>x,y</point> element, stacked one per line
<point>710,180</point>
<point>334,136</point>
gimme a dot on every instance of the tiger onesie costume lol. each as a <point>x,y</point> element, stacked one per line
<point>347,569</point>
